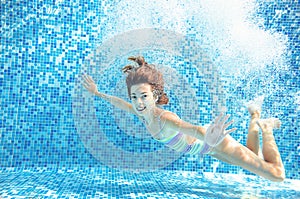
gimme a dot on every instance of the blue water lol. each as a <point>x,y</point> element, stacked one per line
<point>58,141</point>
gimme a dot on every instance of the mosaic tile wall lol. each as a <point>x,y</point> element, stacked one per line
<point>45,46</point>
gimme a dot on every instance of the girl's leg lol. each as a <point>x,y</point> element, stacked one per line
<point>253,133</point>
<point>233,152</point>
<point>254,108</point>
<point>270,149</point>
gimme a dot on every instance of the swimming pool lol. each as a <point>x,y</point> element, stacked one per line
<point>57,141</point>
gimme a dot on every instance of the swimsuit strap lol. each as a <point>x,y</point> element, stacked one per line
<point>159,120</point>
<point>160,133</point>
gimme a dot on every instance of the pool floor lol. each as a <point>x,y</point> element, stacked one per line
<point>109,183</point>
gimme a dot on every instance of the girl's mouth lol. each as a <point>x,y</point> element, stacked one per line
<point>140,109</point>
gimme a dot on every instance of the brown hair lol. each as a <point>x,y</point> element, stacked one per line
<point>146,73</point>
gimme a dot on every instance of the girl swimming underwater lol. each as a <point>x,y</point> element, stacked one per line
<point>146,90</point>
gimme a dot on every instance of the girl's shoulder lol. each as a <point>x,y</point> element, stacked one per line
<point>165,115</point>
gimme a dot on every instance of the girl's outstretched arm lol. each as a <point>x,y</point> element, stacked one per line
<point>91,86</point>
<point>214,135</point>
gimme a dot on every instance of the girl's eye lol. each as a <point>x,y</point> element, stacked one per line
<point>145,96</point>
<point>133,97</point>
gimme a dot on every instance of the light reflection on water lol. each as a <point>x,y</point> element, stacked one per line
<point>106,183</point>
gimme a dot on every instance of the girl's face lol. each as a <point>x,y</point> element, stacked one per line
<point>142,98</point>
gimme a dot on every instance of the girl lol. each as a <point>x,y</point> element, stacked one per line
<point>146,90</point>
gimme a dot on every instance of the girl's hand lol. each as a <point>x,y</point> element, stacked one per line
<point>89,84</point>
<point>216,132</point>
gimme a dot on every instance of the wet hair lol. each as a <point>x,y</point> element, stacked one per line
<point>145,73</point>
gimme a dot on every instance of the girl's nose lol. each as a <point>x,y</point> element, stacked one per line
<point>140,101</point>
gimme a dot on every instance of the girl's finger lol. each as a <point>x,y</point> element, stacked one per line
<point>225,119</point>
<point>228,124</point>
<point>90,79</point>
<point>230,131</point>
<point>86,82</point>
<point>86,78</point>
<point>218,118</point>
<point>85,86</point>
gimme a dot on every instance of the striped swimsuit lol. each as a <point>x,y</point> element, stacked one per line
<point>178,141</point>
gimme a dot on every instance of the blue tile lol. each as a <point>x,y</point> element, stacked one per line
<point>46,46</point>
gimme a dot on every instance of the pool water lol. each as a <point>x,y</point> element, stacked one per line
<point>59,141</point>
<point>107,183</point>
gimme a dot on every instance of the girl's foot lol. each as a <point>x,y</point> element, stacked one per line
<point>254,106</point>
<point>269,124</point>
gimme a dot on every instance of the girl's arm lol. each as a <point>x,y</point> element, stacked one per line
<point>173,123</point>
<point>90,85</point>
<point>213,136</point>
<point>117,102</point>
